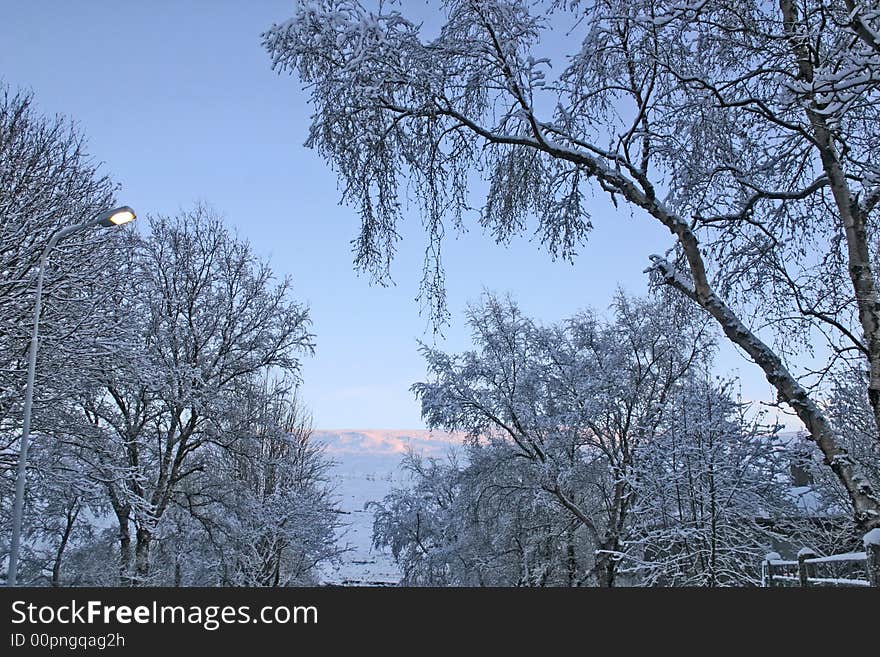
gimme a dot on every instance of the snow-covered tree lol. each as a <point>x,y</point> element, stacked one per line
<point>747,129</point>
<point>852,416</point>
<point>482,522</point>
<point>599,451</point>
<point>573,404</point>
<point>61,502</point>
<point>204,316</point>
<point>151,347</point>
<point>418,525</point>
<point>47,182</point>
<point>711,488</point>
<point>262,511</point>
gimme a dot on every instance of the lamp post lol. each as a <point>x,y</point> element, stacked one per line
<point>114,217</point>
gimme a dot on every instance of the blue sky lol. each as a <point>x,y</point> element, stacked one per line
<point>179,102</point>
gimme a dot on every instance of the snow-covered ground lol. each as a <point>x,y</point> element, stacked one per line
<point>367,469</point>
<point>361,479</point>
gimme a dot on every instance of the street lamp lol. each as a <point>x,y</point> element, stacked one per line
<point>113,217</point>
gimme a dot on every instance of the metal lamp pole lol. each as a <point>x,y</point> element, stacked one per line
<point>114,217</point>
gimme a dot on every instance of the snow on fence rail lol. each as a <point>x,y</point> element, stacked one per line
<point>847,556</point>
<point>776,571</point>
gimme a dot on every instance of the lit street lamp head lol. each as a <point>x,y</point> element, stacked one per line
<point>116,216</point>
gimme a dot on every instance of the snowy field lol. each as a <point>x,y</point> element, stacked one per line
<point>367,469</point>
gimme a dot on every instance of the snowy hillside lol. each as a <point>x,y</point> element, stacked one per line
<point>366,470</point>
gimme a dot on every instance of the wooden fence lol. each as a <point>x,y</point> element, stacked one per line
<point>834,570</point>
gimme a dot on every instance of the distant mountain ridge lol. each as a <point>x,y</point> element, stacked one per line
<point>390,442</point>
<point>394,442</point>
